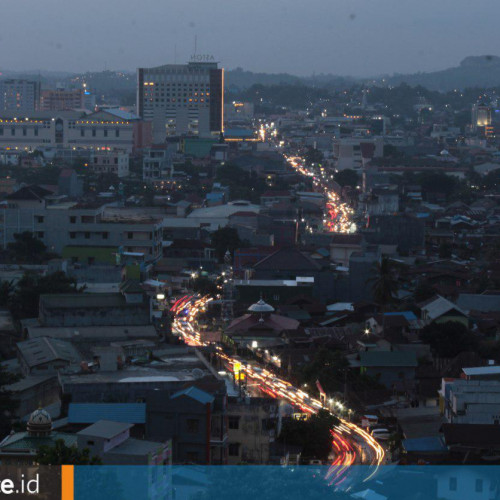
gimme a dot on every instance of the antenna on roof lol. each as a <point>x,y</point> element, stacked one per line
<point>195,44</point>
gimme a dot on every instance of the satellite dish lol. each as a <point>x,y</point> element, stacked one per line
<point>197,373</point>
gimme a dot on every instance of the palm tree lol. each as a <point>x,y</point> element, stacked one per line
<point>384,284</point>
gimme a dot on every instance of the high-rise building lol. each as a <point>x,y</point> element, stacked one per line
<point>481,118</point>
<point>61,99</point>
<point>182,99</point>
<point>19,95</point>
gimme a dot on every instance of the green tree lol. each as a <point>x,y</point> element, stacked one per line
<point>313,435</point>
<point>384,284</point>
<point>347,177</point>
<point>445,250</point>
<point>313,155</point>
<point>6,290</point>
<point>329,367</point>
<point>224,239</point>
<point>449,339</point>
<point>424,291</point>
<point>24,301</point>
<point>61,454</point>
<point>204,286</point>
<point>27,248</point>
<point>8,404</point>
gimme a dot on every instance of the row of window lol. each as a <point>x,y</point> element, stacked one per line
<point>104,234</point>
<point>13,132</point>
<point>24,131</point>
<point>94,132</point>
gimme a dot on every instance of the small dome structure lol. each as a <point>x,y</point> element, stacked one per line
<point>39,423</point>
<point>261,307</point>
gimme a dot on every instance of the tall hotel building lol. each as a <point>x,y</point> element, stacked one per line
<point>182,99</point>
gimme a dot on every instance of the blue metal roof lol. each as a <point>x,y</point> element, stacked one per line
<point>215,195</point>
<point>238,132</point>
<point>408,315</point>
<point>89,413</point>
<point>423,444</point>
<point>196,394</point>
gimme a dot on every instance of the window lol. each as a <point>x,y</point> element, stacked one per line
<point>72,219</point>
<point>87,235</point>
<point>72,236</point>
<point>105,133</point>
<point>1,130</point>
<point>12,131</point>
<point>82,132</point>
<point>91,443</point>
<point>40,234</point>
<point>36,131</point>
<point>39,219</point>
<point>117,132</point>
<point>130,235</point>
<point>105,235</point>
<point>234,449</point>
<point>93,132</point>
<point>479,485</point>
<point>453,484</point>
<point>234,422</point>
<point>25,131</point>
<point>193,425</point>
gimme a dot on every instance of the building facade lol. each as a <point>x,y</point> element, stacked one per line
<point>253,424</point>
<point>69,129</point>
<point>110,162</point>
<point>61,99</point>
<point>157,165</point>
<point>182,99</point>
<point>20,96</point>
<point>79,232</point>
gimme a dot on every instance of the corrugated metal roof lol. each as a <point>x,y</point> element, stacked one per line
<point>388,358</point>
<point>89,413</point>
<point>22,441</point>
<point>196,394</point>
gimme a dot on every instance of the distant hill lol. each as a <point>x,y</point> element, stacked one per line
<point>473,71</point>
<point>239,79</point>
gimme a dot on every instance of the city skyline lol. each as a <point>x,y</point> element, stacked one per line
<point>359,38</point>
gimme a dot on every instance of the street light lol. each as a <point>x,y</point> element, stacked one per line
<point>160,296</point>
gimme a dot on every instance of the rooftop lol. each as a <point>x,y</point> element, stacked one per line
<point>482,370</point>
<point>78,300</point>
<point>133,446</point>
<point>89,413</point>
<point>44,350</point>
<point>105,429</point>
<point>196,394</point>
<point>388,358</point>
<point>95,333</point>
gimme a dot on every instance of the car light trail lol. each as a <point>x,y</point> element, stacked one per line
<point>339,213</point>
<point>187,309</point>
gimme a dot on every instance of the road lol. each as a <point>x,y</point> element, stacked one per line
<point>350,443</point>
<point>338,216</point>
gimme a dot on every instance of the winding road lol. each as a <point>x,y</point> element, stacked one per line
<point>350,443</point>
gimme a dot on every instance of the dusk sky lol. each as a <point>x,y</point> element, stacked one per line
<point>345,37</point>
